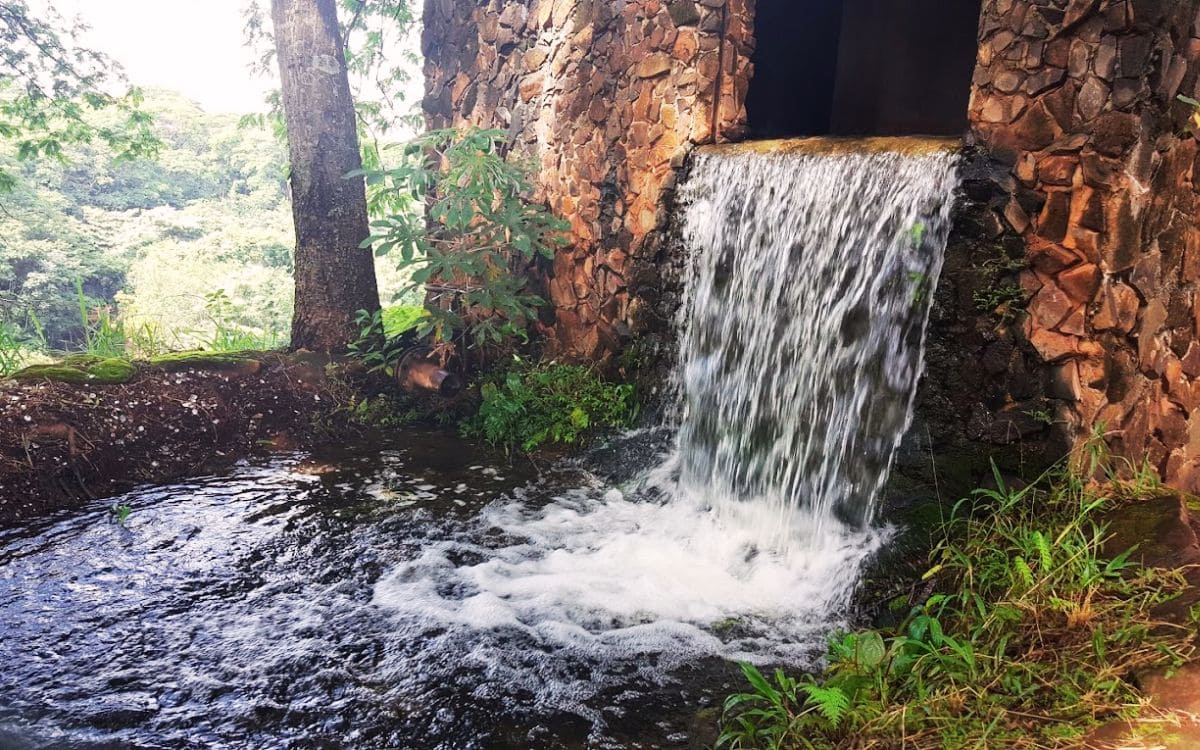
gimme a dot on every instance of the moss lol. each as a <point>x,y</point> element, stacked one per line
<point>203,360</point>
<point>81,369</point>
<point>81,361</point>
<point>111,371</point>
<point>56,372</point>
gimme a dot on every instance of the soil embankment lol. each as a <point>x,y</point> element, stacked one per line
<point>70,434</point>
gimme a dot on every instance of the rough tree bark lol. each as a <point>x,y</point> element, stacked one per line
<point>334,276</point>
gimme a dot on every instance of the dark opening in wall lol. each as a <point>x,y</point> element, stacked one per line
<point>862,67</point>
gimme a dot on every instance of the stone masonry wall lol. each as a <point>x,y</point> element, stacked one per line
<point>1078,240</point>
<point>606,96</point>
<point>1070,297</point>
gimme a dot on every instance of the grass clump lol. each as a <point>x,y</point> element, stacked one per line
<point>1030,638</point>
<point>531,405</point>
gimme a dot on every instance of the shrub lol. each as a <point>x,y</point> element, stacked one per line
<point>530,405</point>
<point>457,212</point>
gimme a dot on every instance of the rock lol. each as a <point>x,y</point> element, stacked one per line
<point>1117,309</point>
<point>683,12</point>
<point>654,65</point>
<point>1080,283</point>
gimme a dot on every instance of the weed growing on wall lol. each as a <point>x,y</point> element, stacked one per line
<point>1029,641</point>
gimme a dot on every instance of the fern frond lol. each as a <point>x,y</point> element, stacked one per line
<point>830,702</point>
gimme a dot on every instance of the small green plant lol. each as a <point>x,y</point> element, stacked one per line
<point>17,347</point>
<point>920,286</point>
<point>229,335</point>
<point>457,212</point>
<point>399,319</point>
<point>375,347</point>
<point>917,233</point>
<point>1003,300</point>
<point>120,513</point>
<point>103,334</point>
<point>1026,643</point>
<point>1041,416</point>
<point>530,405</point>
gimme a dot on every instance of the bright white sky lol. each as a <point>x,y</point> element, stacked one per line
<point>196,47</point>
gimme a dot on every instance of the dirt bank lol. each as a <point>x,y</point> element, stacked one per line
<point>64,442</point>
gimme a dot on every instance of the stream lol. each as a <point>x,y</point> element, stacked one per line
<point>424,595</point>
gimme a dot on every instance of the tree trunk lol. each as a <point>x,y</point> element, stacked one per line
<point>335,278</point>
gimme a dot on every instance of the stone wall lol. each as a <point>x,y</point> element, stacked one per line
<point>606,97</point>
<point>1070,296</point>
<point>1070,303</point>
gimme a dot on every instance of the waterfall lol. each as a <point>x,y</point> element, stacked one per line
<point>743,534</point>
<point>802,333</point>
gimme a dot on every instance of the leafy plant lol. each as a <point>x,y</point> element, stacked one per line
<point>1004,300</point>
<point>49,83</point>
<point>375,347</point>
<point>399,319</point>
<point>230,335</point>
<point>530,405</point>
<point>1027,645</point>
<point>120,513</point>
<point>459,216</point>
<point>103,333</point>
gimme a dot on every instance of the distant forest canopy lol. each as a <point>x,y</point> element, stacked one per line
<point>182,249</point>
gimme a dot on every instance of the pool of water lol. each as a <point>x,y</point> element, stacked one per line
<point>427,594</point>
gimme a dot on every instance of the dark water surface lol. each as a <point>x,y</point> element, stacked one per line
<point>242,611</point>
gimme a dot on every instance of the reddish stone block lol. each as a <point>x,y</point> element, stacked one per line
<point>1081,282</point>
<point>1117,308</point>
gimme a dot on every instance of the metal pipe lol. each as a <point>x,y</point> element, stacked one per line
<point>429,376</point>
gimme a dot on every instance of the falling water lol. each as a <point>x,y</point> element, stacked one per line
<point>803,330</point>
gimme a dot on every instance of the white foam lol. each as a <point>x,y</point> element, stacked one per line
<point>629,577</point>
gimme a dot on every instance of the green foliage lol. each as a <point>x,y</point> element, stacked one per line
<point>50,84</point>
<point>120,513</point>
<point>381,341</point>
<point>1004,300</point>
<point>1028,644</point>
<point>149,240</point>
<point>19,346</point>
<point>528,405</point>
<point>103,335</point>
<point>375,347</point>
<point>232,335</point>
<point>399,319</point>
<point>457,214</point>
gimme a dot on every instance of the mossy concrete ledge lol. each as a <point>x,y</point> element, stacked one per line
<point>84,369</point>
<point>248,361</point>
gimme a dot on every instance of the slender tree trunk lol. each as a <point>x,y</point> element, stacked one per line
<point>335,278</point>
